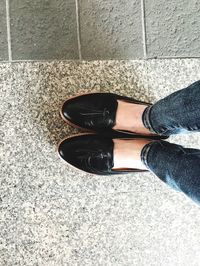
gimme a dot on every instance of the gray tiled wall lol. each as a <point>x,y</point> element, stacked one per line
<point>98,29</point>
<point>111,29</point>
<point>3,31</point>
<point>43,29</point>
<point>173,28</point>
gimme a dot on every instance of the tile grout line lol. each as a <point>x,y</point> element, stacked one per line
<point>144,29</point>
<point>78,30</point>
<point>8,31</point>
<point>77,60</point>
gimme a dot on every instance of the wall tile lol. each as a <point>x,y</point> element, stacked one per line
<point>173,29</point>
<point>43,29</point>
<point>3,32</point>
<point>111,29</point>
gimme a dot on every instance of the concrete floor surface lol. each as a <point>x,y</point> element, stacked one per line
<point>51,214</point>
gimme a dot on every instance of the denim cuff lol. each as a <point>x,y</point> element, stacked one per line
<point>146,119</point>
<point>145,152</point>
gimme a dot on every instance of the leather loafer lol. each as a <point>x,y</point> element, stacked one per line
<point>97,112</point>
<point>91,153</point>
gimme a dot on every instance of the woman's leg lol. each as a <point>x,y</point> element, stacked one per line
<point>177,166</point>
<point>179,112</point>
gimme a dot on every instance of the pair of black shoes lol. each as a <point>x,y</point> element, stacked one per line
<point>93,152</point>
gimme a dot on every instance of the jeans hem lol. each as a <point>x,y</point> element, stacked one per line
<point>145,152</point>
<point>146,119</point>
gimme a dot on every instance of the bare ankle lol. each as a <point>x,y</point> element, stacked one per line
<point>129,118</point>
<point>127,153</point>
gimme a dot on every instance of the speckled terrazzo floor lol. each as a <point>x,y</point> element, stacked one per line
<point>52,215</point>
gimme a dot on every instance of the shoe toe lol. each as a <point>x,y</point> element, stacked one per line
<point>67,150</point>
<point>69,110</point>
<point>73,151</point>
<point>88,152</point>
<point>74,108</point>
<point>95,111</point>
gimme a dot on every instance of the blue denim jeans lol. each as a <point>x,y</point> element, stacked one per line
<point>177,166</point>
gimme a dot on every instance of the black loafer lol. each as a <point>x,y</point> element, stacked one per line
<point>91,153</point>
<point>97,112</point>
